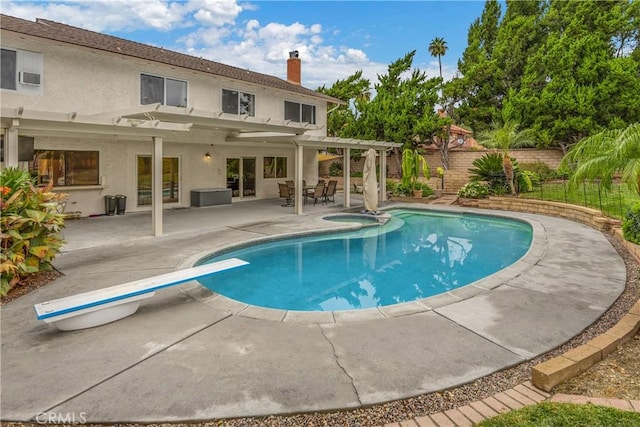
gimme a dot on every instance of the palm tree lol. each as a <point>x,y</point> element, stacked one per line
<point>505,137</point>
<point>602,155</point>
<point>438,47</point>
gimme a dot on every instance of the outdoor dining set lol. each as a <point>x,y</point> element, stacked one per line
<point>323,191</point>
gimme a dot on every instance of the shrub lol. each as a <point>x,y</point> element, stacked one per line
<point>356,174</point>
<point>527,180</point>
<point>474,190</point>
<point>426,190</point>
<point>335,169</point>
<point>631,224</point>
<point>541,169</point>
<point>30,225</point>
<point>488,168</point>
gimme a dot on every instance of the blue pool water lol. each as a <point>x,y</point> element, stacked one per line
<point>416,254</point>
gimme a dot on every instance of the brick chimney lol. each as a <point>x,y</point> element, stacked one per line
<point>294,68</point>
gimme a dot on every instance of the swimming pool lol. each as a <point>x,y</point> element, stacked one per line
<point>415,255</point>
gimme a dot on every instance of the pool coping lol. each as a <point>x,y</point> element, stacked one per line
<point>220,302</point>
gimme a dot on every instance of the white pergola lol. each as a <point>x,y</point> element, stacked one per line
<point>158,122</point>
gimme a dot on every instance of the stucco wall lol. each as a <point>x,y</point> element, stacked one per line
<point>94,82</point>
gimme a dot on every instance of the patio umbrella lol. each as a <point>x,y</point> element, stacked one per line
<point>370,182</point>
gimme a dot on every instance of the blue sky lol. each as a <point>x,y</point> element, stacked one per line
<point>334,38</point>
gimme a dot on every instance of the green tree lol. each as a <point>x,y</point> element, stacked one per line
<point>481,77</point>
<point>605,154</point>
<point>402,110</point>
<point>580,81</point>
<point>353,88</point>
<point>438,47</point>
<point>505,137</point>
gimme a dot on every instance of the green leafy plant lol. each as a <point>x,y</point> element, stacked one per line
<point>474,190</point>
<point>540,168</point>
<point>335,169</point>
<point>631,224</point>
<point>413,167</point>
<point>526,181</point>
<point>30,224</point>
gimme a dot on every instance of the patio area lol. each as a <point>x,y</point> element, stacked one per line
<point>188,355</point>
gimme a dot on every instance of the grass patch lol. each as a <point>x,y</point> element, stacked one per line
<point>613,203</point>
<point>548,414</point>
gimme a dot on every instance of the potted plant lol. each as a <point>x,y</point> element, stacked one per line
<point>413,166</point>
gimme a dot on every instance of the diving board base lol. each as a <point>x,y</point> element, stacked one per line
<point>99,314</point>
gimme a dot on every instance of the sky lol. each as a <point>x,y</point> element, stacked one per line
<point>334,38</point>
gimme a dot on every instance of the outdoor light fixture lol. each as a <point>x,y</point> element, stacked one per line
<point>207,155</point>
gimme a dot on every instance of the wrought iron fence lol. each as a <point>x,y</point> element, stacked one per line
<point>614,202</point>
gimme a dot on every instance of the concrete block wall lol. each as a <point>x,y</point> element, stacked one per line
<point>588,216</point>
<point>459,164</point>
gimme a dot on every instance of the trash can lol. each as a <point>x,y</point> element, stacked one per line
<point>121,203</point>
<point>110,204</point>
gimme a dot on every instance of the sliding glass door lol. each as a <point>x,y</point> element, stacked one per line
<point>170,180</point>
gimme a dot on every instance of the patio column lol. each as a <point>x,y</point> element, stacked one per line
<point>11,145</point>
<point>156,186</point>
<point>299,151</point>
<point>383,174</point>
<point>347,177</point>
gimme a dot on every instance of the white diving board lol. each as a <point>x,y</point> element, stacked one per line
<point>106,305</point>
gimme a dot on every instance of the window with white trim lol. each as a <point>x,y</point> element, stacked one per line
<point>164,90</point>
<point>297,112</point>
<point>21,70</point>
<point>236,102</point>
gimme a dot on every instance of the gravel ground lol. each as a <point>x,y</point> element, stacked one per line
<point>447,399</point>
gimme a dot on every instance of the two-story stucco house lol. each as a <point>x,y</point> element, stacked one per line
<point>101,115</point>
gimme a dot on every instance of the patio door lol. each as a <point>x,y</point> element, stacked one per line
<point>241,176</point>
<point>170,180</point>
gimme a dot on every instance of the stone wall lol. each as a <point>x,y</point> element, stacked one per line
<point>588,216</point>
<point>459,164</point>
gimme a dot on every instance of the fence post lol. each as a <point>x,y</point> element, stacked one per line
<point>584,191</point>
<point>600,196</point>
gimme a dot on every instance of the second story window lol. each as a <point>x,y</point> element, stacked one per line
<point>21,70</point>
<point>166,91</point>
<point>297,112</point>
<point>235,102</point>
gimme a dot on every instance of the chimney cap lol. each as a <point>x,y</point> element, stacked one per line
<point>293,54</point>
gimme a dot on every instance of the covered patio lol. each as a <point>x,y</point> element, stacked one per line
<point>158,123</point>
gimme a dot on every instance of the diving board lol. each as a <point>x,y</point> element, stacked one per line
<point>106,305</point>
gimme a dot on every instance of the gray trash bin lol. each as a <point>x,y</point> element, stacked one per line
<point>110,204</point>
<point>121,203</point>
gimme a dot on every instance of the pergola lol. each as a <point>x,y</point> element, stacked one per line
<point>158,122</point>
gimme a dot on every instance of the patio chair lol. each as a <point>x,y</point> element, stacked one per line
<point>285,194</point>
<point>330,192</point>
<point>317,193</point>
<point>292,187</point>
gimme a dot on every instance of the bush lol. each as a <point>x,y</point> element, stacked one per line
<point>527,180</point>
<point>631,224</point>
<point>30,225</point>
<point>541,169</point>
<point>335,169</point>
<point>474,190</point>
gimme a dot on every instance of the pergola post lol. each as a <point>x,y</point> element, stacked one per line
<point>299,151</point>
<point>383,174</point>
<point>347,177</point>
<point>156,186</point>
<point>11,145</point>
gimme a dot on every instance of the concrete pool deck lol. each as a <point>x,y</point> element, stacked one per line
<point>183,358</point>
